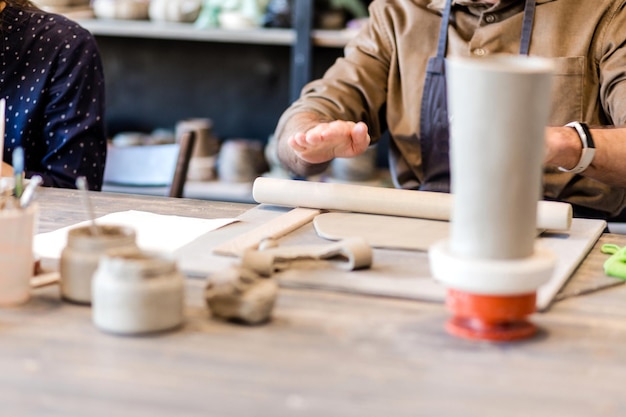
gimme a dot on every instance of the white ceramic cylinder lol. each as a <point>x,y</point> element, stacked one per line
<point>135,294</point>
<point>80,257</point>
<point>17,228</point>
<point>498,108</point>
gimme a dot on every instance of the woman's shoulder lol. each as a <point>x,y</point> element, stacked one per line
<point>39,21</point>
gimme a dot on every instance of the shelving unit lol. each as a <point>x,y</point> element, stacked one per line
<point>302,38</point>
<point>158,73</point>
<point>188,32</point>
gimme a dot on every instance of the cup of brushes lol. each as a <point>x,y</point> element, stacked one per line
<point>18,219</point>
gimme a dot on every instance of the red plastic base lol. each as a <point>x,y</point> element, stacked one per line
<point>489,317</point>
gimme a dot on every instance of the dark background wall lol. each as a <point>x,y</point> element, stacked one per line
<point>243,88</point>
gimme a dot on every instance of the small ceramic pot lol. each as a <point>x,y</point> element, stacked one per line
<point>121,9</point>
<point>137,293</point>
<point>207,144</point>
<point>359,168</point>
<point>80,257</point>
<point>174,10</point>
<point>241,160</point>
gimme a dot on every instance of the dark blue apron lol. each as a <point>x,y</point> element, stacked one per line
<point>434,129</point>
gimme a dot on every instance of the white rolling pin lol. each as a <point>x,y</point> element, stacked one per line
<point>551,215</point>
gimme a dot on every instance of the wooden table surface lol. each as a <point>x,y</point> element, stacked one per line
<point>323,354</point>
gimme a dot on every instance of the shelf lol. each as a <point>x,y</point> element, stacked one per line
<point>188,32</point>
<point>332,38</point>
<point>209,190</point>
<point>236,192</point>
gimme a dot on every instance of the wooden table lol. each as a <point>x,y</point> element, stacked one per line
<point>323,354</point>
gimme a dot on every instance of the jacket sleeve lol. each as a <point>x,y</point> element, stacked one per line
<point>354,88</point>
<point>612,68</point>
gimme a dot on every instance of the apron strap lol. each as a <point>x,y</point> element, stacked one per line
<point>527,26</point>
<point>443,30</point>
<point>434,129</point>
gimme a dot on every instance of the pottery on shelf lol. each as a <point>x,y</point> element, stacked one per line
<point>174,10</point>
<point>121,9</point>
<point>241,160</point>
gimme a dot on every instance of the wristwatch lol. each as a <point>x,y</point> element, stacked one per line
<point>588,150</point>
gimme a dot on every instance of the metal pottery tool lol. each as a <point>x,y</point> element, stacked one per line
<point>81,184</point>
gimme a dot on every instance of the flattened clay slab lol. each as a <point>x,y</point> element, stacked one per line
<point>382,231</point>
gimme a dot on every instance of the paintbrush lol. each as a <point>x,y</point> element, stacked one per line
<point>29,191</point>
<point>18,171</point>
<point>81,184</point>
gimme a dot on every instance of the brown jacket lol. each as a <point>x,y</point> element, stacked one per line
<point>380,78</point>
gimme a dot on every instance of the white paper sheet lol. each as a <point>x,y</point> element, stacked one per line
<point>155,232</point>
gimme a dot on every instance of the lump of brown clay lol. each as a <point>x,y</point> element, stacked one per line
<point>241,295</point>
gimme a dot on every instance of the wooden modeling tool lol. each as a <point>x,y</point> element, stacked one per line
<point>275,228</point>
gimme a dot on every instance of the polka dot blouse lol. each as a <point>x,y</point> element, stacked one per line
<point>53,83</point>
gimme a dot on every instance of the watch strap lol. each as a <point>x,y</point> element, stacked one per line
<point>588,147</point>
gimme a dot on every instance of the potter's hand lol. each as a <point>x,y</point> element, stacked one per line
<point>337,139</point>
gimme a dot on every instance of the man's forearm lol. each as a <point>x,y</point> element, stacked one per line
<point>608,164</point>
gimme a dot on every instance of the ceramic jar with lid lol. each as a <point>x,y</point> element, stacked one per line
<point>137,293</point>
<point>80,257</point>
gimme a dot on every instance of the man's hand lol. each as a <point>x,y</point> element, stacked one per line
<point>337,139</point>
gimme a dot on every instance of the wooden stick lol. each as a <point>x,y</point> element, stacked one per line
<point>45,279</point>
<point>275,228</point>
